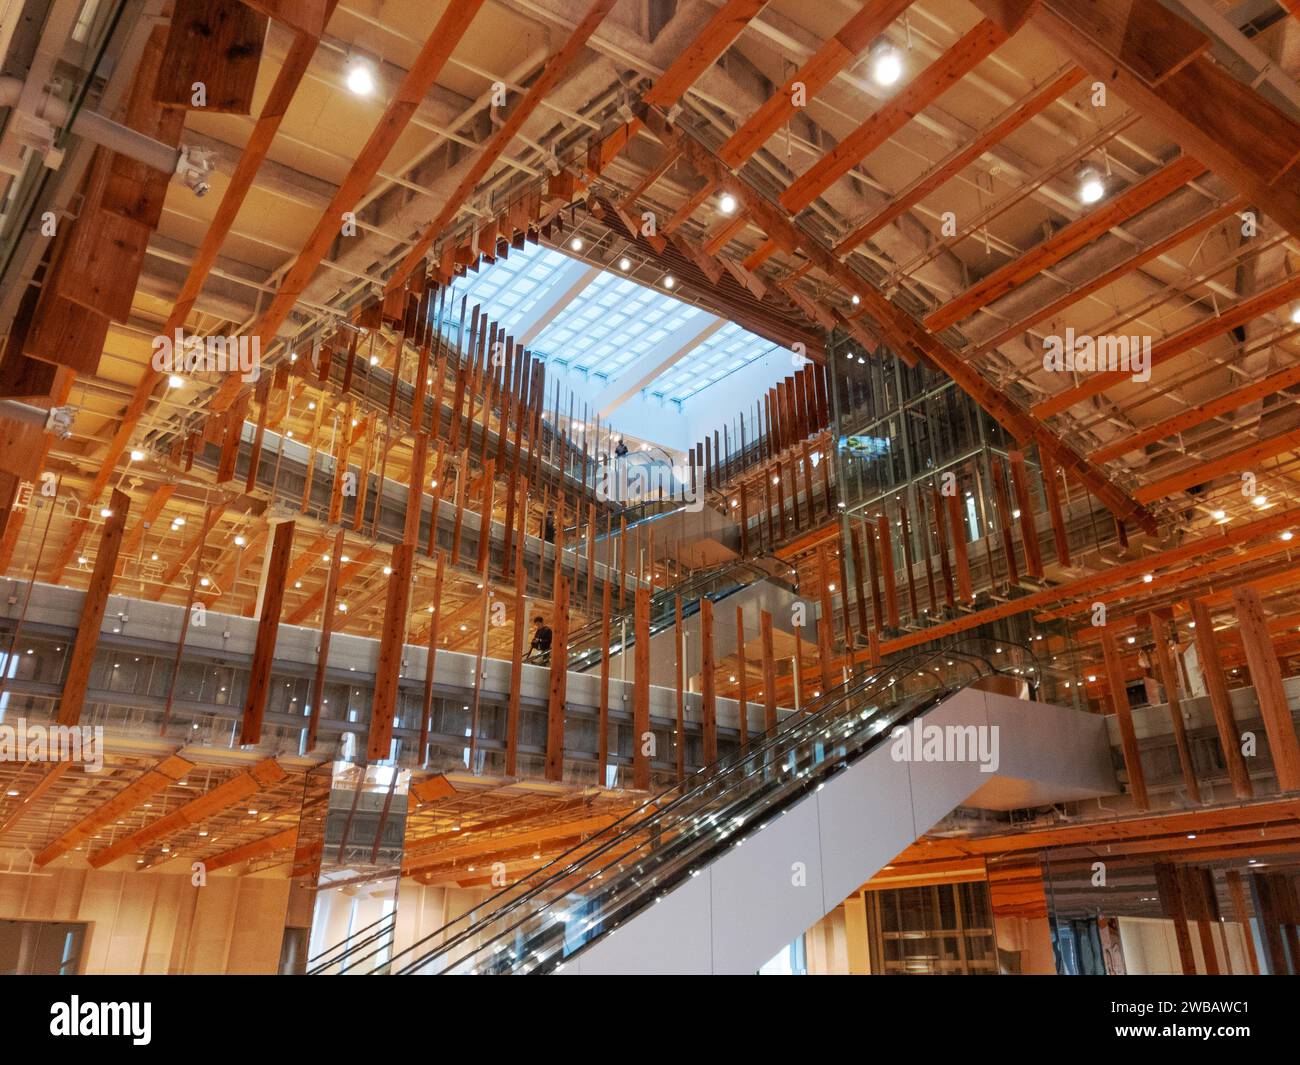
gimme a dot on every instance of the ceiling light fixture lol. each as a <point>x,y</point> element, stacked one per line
<point>576,244</point>
<point>727,204</point>
<point>625,264</point>
<point>886,64</point>
<point>1091,186</point>
<point>360,76</point>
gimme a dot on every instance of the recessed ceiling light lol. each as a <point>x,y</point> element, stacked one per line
<point>137,455</point>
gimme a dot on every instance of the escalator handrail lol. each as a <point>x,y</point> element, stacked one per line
<point>833,698</point>
<point>640,828</point>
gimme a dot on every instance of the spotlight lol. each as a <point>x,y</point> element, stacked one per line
<point>625,264</point>
<point>1091,186</point>
<point>727,205</point>
<point>1260,501</point>
<point>137,455</point>
<point>576,244</point>
<point>886,64</point>
<point>174,381</point>
<point>669,281</point>
<point>360,76</point>
<point>856,299</point>
<point>1295,314</point>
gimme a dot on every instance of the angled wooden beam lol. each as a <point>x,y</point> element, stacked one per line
<point>148,784</point>
<point>1171,347</point>
<point>1169,680</point>
<point>935,178</point>
<point>1201,413</point>
<point>555,68</point>
<point>258,848</point>
<point>942,74</point>
<point>1133,200</point>
<point>259,676</point>
<point>815,74</point>
<point>1243,458</point>
<point>263,775</point>
<point>48,778</point>
<point>904,333</point>
<point>92,611</point>
<point>725,26</point>
<point>1239,134</point>
<point>420,77</point>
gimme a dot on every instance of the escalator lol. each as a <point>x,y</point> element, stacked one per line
<point>721,871</point>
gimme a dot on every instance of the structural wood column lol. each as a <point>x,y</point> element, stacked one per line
<point>1216,683</point>
<point>1266,675</point>
<point>1124,716</point>
<point>259,676</point>
<point>92,610</point>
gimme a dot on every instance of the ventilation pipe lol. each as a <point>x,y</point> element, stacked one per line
<point>36,129</point>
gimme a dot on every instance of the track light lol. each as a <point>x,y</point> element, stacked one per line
<point>886,64</point>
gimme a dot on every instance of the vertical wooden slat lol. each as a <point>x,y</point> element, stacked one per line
<point>742,675</point>
<point>1024,503</point>
<point>326,630</point>
<point>559,682</point>
<point>679,650</point>
<point>1169,888</point>
<point>1266,675</point>
<point>430,669</point>
<point>415,490</point>
<point>708,683</point>
<point>887,570</point>
<point>941,535</point>
<point>1052,487</point>
<point>93,606</point>
<point>907,561</point>
<point>1237,891</point>
<point>603,739</point>
<point>259,675</point>
<point>1002,502</point>
<point>769,671</point>
<point>957,521</point>
<point>855,545</point>
<point>1169,680</point>
<point>1124,716</point>
<point>641,690</point>
<point>391,642</point>
<point>1207,646</point>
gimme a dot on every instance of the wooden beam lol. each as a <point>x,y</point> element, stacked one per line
<point>1239,134</point>
<point>258,848</point>
<point>555,68</point>
<point>326,630</point>
<point>391,645</point>
<point>976,45</point>
<point>49,776</point>
<point>1146,193</point>
<point>1169,681</point>
<point>708,683</point>
<point>769,671</point>
<point>723,28</point>
<point>559,687</point>
<point>148,784</point>
<point>935,178</point>
<point>92,611</point>
<point>1216,325</point>
<point>906,335</point>
<point>1243,458</point>
<point>641,689</point>
<point>1216,683</point>
<point>1266,675</point>
<point>815,74</point>
<point>401,108</point>
<point>1124,716</point>
<point>259,676</point>
<point>217,43</point>
<point>263,775</point>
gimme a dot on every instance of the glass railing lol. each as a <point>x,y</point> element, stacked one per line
<point>548,916</point>
<point>588,645</point>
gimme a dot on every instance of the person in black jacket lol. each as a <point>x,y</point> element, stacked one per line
<point>541,644</point>
<point>549,533</point>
